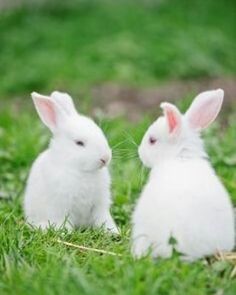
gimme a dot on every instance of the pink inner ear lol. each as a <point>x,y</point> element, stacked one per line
<point>204,115</point>
<point>205,108</point>
<point>172,120</point>
<point>48,111</point>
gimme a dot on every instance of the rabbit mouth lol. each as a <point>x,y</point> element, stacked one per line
<point>102,165</point>
<point>104,161</point>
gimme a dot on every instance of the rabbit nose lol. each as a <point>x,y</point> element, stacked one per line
<point>104,160</point>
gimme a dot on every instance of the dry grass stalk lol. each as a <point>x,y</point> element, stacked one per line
<point>84,248</point>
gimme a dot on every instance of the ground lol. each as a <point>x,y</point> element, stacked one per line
<point>118,66</point>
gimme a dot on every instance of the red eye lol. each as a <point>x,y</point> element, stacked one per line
<point>152,140</point>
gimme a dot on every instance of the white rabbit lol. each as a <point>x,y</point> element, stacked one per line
<point>183,199</point>
<point>69,183</point>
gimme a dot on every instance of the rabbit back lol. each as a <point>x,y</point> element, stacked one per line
<point>185,200</point>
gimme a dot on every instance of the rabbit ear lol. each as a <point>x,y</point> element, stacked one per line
<point>173,116</point>
<point>48,110</point>
<point>64,100</point>
<point>205,108</point>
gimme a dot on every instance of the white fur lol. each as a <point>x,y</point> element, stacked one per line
<point>68,184</point>
<point>183,198</point>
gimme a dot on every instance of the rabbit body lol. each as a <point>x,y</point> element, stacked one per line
<point>185,200</point>
<point>55,192</point>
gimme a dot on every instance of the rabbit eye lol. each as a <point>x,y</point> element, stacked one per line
<point>152,140</point>
<point>79,142</point>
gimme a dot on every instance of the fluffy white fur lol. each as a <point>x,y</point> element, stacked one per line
<point>69,183</point>
<point>183,198</point>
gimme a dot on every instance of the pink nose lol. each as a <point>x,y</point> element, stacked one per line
<point>103,161</point>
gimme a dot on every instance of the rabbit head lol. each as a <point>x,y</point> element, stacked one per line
<point>77,140</point>
<point>176,135</point>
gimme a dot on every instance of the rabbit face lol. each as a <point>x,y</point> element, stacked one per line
<point>157,145</point>
<point>82,144</point>
<point>176,135</point>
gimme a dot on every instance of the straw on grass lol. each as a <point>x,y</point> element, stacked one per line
<point>84,248</point>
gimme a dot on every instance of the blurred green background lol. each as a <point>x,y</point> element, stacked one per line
<point>75,44</point>
<point>119,60</point>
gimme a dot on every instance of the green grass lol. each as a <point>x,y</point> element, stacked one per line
<point>74,47</point>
